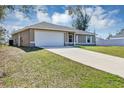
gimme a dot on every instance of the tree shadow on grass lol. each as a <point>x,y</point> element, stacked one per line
<point>30,49</point>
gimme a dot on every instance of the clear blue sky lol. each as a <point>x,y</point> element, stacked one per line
<point>106,19</point>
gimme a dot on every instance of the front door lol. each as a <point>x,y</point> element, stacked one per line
<point>71,39</point>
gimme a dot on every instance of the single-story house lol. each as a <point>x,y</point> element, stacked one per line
<point>47,34</point>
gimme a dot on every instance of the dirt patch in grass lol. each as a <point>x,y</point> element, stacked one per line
<point>8,54</point>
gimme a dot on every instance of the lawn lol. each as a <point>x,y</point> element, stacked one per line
<point>26,67</point>
<point>111,50</point>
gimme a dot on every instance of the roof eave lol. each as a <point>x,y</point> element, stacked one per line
<point>42,29</point>
<point>20,30</point>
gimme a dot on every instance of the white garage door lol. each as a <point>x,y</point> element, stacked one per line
<point>49,38</point>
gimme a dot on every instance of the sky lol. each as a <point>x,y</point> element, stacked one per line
<point>105,20</point>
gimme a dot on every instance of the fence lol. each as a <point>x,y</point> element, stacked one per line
<point>112,42</point>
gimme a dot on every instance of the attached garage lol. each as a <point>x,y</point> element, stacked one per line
<point>48,38</point>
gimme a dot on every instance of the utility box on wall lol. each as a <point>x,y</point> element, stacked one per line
<point>11,42</point>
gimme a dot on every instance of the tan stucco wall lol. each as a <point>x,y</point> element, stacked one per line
<point>15,39</point>
<point>25,37</point>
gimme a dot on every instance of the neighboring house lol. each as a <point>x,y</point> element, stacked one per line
<point>47,34</point>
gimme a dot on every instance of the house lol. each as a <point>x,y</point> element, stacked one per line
<point>47,34</point>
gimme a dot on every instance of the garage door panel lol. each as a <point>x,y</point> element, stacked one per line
<point>49,38</point>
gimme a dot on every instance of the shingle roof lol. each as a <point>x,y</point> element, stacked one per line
<point>49,26</point>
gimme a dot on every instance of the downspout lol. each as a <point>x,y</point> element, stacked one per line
<point>18,39</point>
<point>74,39</point>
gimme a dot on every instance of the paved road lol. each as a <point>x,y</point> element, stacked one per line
<point>111,64</point>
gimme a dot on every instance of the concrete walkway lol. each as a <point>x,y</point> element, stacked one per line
<point>111,64</point>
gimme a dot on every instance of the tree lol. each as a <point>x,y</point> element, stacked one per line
<point>4,9</point>
<point>109,36</point>
<point>27,10</point>
<point>80,17</point>
<point>3,34</point>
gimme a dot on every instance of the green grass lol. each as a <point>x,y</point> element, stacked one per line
<point>111,50</point>
<point>41,68</point>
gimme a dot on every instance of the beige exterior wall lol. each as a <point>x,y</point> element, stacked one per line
<point>26,37</point>
<point>15,39</point>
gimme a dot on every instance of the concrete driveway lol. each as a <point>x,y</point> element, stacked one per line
<point>111,64</point>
